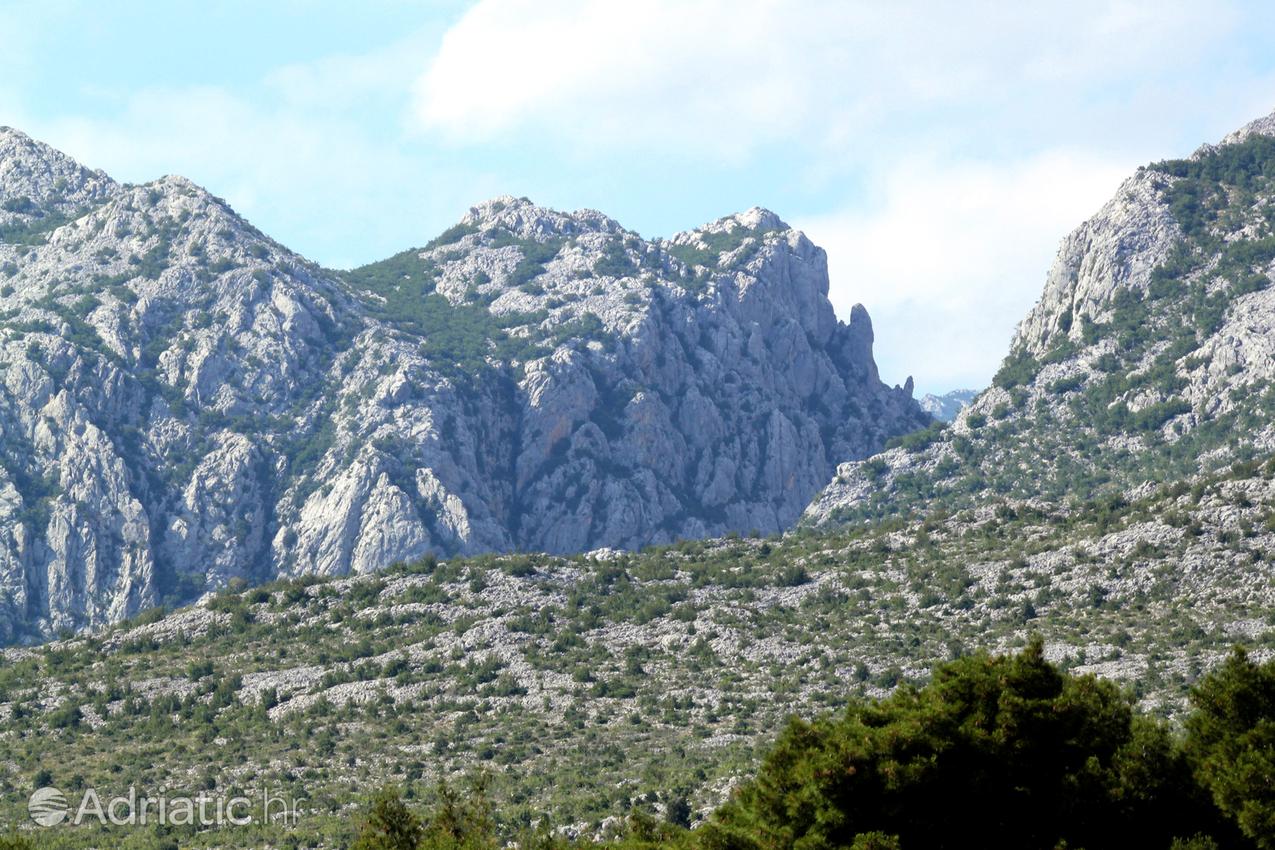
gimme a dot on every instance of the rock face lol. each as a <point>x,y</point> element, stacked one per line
<point>1116,249</point>
<point>39,185</point>
<point>185,403</point>
<point>1148,357</point>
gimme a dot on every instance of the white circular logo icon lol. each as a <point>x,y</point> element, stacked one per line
<point>47,807</point>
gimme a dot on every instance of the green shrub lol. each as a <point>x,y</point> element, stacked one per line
<point>715,244</point>
<point>918,440</point>
<point>451,235</point>
<point>1020,367</point>
<point>458,338</point>
<point>614,261</point>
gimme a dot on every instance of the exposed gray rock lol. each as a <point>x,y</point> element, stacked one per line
<point>184,402</point>
<point>1264,126</point>
<point>39,184</point>
<point>1117,248</point>
<point>1155,326</point>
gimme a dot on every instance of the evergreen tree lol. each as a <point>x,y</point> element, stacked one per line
<point>461,823</point>
<point>390,825</point>
<point>1231,742</point>
<point>1000,752</point>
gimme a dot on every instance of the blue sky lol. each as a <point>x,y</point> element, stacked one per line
<point>939,151</point>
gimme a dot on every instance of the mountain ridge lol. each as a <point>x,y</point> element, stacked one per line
<point>1144,359</point>
<point>530,379</point>
<point>945,407</point>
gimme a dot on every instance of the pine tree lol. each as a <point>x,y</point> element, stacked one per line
<point>1006,753</point>
<point>390,825</point>
<point>1231,742</point>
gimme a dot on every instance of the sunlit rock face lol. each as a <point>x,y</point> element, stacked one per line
<point>186,403</point>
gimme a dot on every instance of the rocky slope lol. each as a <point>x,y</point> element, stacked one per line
<point>591,685</point>
<point>186,403</point>
<point>1149,356</point>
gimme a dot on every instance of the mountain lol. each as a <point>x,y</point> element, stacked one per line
<point>1148,357</point>
<point>945,407</point>
<point>186,403</point>
<point>1113,493</point>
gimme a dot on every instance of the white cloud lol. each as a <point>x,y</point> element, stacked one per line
<point>379,78</point>
<point>720,78</point>
<point>984,131</point>
<point>614,71</point>
<point>952,255</point>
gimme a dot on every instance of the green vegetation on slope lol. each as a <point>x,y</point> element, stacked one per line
<point>400,290</point>
<point>715,245</point>
<point>996,752</point>
<point>589,688</point>
<point>35,230</point>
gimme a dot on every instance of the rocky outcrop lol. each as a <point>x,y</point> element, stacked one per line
<point>185,403</point>
<point>39,185</point>
<point>1147,358</point>
<point>1116,249</point>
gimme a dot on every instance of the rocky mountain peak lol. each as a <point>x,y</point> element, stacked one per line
<point>186,403</point>
<point>710,243</point>
<point>947,406</point>
<point>755,219</point>
<point>1264,126</point>
<point>1132,235</point>
<point>166,242</point>
<point>1118,248</point>
<point>525,219</point>
<point>36,180</point>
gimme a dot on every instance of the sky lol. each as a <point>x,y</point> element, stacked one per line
<point>938,151</point>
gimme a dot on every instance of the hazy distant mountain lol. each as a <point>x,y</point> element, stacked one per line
<point>945,407</point>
